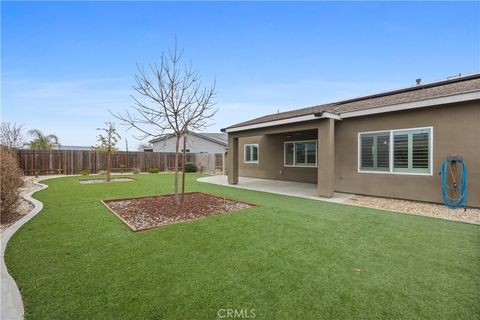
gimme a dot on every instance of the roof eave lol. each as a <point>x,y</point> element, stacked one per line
<point>462,97</point>
<point>307,117</point>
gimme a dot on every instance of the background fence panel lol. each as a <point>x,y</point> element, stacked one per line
<point>39,162</point>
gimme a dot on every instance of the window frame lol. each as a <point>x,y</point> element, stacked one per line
<point>245,152</point>
<point>294,165</point>
<point>391,152</point>
<point>374,136</point>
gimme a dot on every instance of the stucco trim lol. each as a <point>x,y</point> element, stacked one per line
<point>273,123</point>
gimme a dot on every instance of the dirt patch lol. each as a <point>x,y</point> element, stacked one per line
<point>155,211</point>
<point>471,215</point>
<point>103,180</point>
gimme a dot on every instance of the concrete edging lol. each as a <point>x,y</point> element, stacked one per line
<point>11,299</point>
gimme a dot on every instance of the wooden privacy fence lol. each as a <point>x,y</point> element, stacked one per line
<point>38,162</point>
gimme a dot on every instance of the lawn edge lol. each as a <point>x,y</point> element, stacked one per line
<point>11,298</point>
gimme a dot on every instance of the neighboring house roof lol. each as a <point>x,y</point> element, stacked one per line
<point>63,147</point>
<point>218,138</point>
<point>360,106</point>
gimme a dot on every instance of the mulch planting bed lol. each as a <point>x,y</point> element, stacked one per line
<point>156,211</point>
<point>104,180</point>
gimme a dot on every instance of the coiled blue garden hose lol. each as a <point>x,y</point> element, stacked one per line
<point>457,186</point>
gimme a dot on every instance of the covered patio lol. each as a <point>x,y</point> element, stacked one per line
<point>289,151</point>
<point>288,188</point>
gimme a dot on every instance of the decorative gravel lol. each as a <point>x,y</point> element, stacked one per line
<point>150,212</point>
<point>472,215</point>
<point>104,180</point>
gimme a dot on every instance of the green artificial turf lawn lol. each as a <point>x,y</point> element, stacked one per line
<point>288,258</point>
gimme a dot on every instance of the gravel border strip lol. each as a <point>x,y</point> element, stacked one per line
<point>418,208</point>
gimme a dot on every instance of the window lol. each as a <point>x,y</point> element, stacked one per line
<point>412,152</point>
<point>251,153</point>
<point>396,151</point>
<point>300,154</point>
<point>375,151</point>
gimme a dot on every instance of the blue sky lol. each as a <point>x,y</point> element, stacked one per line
<point>65,64</point>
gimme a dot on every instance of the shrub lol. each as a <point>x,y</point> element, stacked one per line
<point>190,167</point>
<point>11,180</point>
<point>136,171</point>
<point>153,170</point>
<point>85,172</point>
<point>102,172</point>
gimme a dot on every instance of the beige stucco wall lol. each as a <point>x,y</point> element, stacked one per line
<point>270,161</point>
<point>456,131</point>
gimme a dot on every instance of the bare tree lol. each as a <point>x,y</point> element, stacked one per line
<point>107,141</point>
<point>184,159</point>
<point>171,99</point>
<point>11,135</point>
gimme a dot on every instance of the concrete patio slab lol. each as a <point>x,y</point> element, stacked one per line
<point>287,188</point>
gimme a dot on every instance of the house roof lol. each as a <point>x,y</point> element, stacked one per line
<point>219,138</point>
<point>73,148</point>
<point>438,89</point>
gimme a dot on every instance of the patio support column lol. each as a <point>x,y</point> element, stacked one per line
<point>326,157</point>
<point>232,158</point>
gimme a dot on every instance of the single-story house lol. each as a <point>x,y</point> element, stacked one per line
<point>196,143</point>
<point>389,144</point>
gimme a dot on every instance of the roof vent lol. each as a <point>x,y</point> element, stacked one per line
<point>419,80</point>
<point>455,76</point>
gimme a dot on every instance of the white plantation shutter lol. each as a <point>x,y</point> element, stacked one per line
<point>400,150</point>
<point>375,151</point>
<point>248,153</point>
<point>383,152</point>
<point>289,154</point>
<point>405,151</point>
<point>254,156</point>
<point>412,151</point>
<point>420,150</point>
<point>366,152</point>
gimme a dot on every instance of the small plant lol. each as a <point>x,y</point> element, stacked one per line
<point>135,171</point>
<point>37,174</point>
<point>85,172</point>
<point>153,170</point>
<point>101,172</point>
<point>190,167</point>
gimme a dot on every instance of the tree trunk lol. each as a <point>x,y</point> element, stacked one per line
<point>184,158</point>
<point>177,142</point>
<point>109,154</point>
